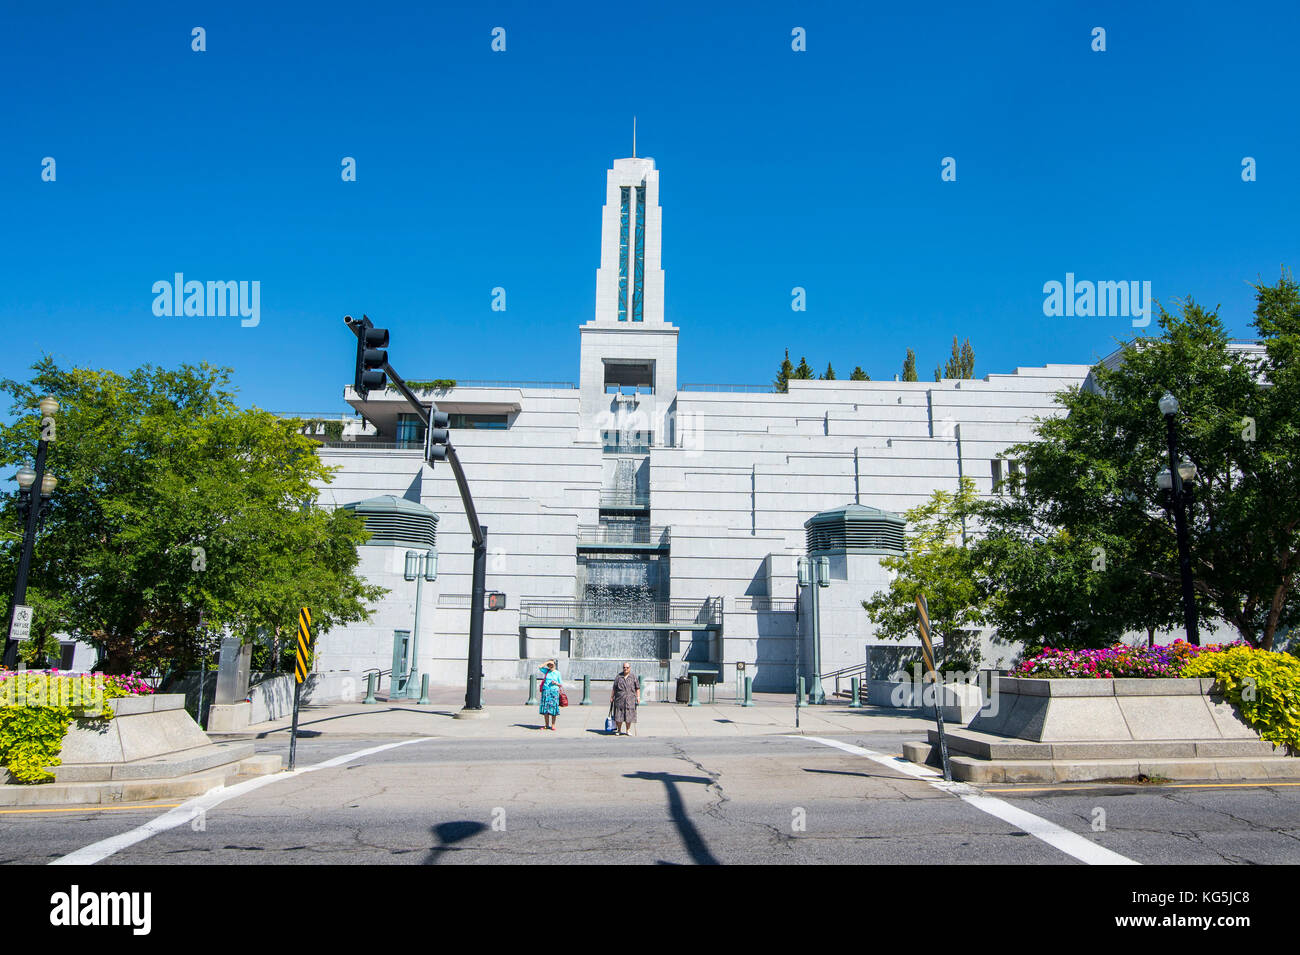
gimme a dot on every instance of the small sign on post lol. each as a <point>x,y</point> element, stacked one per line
<point>21,628</point>
<point>300,674</point>
<point>927,648</point>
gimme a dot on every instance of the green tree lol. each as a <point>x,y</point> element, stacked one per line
<point>859,374</point>
<point>783,375</point>
<point>177,514</point>
<point>1091,473</point>
<point>804,372</point>
<point>962,362</point>
<point>938,564</point>
<point>830,373</point>
<point>909,366</point>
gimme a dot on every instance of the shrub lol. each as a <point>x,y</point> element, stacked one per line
<point>1264,685</point>
<point>36,709</point>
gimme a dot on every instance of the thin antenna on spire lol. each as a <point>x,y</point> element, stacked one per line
<point>634,137</point>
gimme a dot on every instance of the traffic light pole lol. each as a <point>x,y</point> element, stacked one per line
<point>474,663</point>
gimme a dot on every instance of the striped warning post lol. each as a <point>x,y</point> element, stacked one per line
<point>927,648</point>
<point>304,644</point>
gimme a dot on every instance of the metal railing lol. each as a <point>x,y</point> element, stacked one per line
<point>484,383</point>
<point>624,498</point>
<point>772,604</point>
<point>846,674</point>
<point>742,389</point>
<point>622,534</point>
<point>575,612</point>
<point>367,444</point>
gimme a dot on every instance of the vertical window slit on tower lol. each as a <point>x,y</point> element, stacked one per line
<point>638,280</point>
<point>622,255</point>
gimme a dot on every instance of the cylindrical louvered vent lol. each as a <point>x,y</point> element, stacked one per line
<point>855,529</point>
<point>395,521</point>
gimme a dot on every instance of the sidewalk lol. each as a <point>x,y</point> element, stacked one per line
<point>508,718</point>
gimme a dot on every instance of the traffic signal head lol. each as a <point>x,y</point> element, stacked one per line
<point>496,600</point>
<point>372,355</point>
<point>435,446</point>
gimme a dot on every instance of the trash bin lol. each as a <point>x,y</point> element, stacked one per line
<point>683,689</point>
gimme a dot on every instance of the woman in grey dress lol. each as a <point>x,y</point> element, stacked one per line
<point>624,698</point>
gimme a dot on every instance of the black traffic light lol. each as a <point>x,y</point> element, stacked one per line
<point>496,600</point>
<point>435,445</point>
<point>372,355</point>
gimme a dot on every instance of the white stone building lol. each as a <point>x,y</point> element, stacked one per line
<point>633,516</point>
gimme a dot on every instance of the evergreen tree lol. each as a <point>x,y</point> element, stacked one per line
<point>781,385</point>
<point>859,375</point>
<point>962,362</point>
<point>804,372</point>
<point>830,373</point>
<point>909,366</point>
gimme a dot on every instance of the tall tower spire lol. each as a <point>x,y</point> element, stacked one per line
<point>630,280</point>
<point>634,136</point>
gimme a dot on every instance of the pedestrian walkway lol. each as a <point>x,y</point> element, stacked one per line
<point>509,718</point>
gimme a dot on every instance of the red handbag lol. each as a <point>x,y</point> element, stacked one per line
<point>564,699</point>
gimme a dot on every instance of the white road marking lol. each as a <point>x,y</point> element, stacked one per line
<point>189,810</point>
<point>1071,843</point>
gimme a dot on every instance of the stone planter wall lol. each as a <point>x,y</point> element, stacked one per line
<point>1088,710</point>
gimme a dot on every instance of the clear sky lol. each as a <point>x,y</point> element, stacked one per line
<point>478,169</point>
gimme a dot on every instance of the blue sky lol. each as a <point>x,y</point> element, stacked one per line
<point>476,169</point>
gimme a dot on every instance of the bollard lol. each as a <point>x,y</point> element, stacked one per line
<point>800,699</point>
<point>586,690</point>
<point>532,691</point>
<point>640,681</point>
<point>695,690</point>
<point>370,688</point>
<point>424,689</point>
<point>856,703</point>
<point>749,691</point>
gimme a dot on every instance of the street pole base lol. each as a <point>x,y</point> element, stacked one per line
<point>468,714</point>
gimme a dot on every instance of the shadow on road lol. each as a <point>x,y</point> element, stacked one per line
<point>450,833</point>
<point>694,842</point>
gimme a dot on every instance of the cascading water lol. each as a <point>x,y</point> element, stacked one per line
<point>623,590</point>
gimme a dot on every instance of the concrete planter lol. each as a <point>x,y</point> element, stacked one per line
<point>1036,730</point>
<point>1110,710</point>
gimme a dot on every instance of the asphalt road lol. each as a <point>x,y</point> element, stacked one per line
<point>609,800</point>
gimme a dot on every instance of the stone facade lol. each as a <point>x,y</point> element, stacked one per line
<point>709,486</point>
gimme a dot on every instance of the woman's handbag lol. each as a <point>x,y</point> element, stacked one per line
<point>610,725</point>
<point>564,699</point>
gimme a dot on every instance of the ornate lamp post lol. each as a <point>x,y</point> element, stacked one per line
<point>1176,480</point>
<point>33,512</point>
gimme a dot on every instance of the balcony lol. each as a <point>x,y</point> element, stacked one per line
<point>622,537</point>
<point>571,613</point>
<point>624,500</point>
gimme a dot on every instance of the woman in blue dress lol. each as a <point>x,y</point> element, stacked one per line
<point>550,694</point>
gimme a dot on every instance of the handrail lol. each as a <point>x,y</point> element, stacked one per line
<point>845,673</point>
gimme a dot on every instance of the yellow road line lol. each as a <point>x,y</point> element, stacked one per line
<point>161,805</point>
<point>1099,785</point>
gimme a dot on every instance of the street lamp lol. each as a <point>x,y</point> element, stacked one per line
<point>33,513</point>
<point>1176,483</point>
<point>816,573</point>
<point>419,567</point>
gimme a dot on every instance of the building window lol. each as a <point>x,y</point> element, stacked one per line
<point>492,421</point>
<point>638,276</point>
<point>410,431</point>
<point>622,254</point>
<point>996,467</point>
